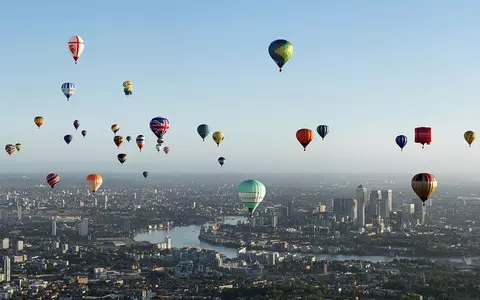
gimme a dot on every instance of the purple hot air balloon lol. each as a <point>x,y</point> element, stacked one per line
<point>68,138</point>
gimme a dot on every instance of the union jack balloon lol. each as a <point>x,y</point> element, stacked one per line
<point>76,45</point>
<point>159,126</point>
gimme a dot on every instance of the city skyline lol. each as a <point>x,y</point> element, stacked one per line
<point>370,71</point>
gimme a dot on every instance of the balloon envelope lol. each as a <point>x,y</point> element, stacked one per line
<point>305,136</point>
<point>401,141</point>
<point>68,89</point>
<point>38,121</point>
<point>94,181</point>
<point>84,133</point>
<point>122,157</point>
<point>129,138</point>
<point>10,149</point>
<point>469,137</point>
<point>68,138</point>
<point>18,146</point>
<point>280,51</point>
<point>251,193</point>
<point>118,140</point>
<point>115,128</point>
<point>218,137</point>
<point>145,174</point>
<point>76,124</point>
<point>424,184</point>
<point>159,126</point>
<point>203,130</point>
<point>322,130</point>
<point>221,160</point>
<point>140,142</point>
<point>423,135</point>
<point>52,179</point>
<point>76,45</point>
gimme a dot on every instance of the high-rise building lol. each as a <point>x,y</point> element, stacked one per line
<point>362,198</point>
<point>290,208</point>
<point>168,241</point>
<point>194,205</point>
<point>106,202</point>
<point>274,221</point>
<point>6,268</point>
<point>372,209</point>
<point>345,207</point>
<point>83,230</point>
<point>5,243</point>
<point>54,228</point>
<point>19,245</point>
<point>19,212</point>
<point>387,197</point>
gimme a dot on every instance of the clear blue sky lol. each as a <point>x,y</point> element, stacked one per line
<point>369,69</point>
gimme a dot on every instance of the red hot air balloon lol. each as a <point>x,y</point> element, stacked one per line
<point>305,136</point>
<point>423,135</point>
<point>52,179</point>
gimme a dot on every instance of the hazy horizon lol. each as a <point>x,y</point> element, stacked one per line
<point>369,70</point>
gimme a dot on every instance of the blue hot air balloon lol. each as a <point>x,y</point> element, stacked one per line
<point>203,130</point>
<point>68,138</point>
<point>68,89</point>
<point>159,126</point>
<point>401,141</point>
<point>322,130</point>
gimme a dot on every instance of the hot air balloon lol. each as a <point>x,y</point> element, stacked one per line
<point>203,130</point>
<point>10,149</point>
<point>115,128</point>
<point>145,174</point>
<point>322,130</point>
<point>166,149</point>
<point>52,179</point>
<point>118,140</point>
<point>129,138</point>
<point>122,157</point>
<point>280,51</point>
<point>76,124</point>
<point>68,138</point>
<point>94,181</point>
<point>221,160</point>
<point>68,89</point>
<point>84,133</point>
<point>18,146</point>
<point>218,137</point>
<point>38,121</point>
<point>159,126</point>
<point>424,184</point>
<point>401,141</point>
<point>423,135</point>
<point>140,142</point>
<point>158,147</point>
<point>251,193</point>
<point>76,45</point>
<point>305,136</point>
<point>470,137</point>
<point>127,87</point>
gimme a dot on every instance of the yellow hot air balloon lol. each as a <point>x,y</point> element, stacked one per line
<point>94,181</point>
<point>470,137</point>
<point>127,87</point>
<point>18,146</point>
<point>39,121</point>
<point>424,184</point>
<point>218,137</point>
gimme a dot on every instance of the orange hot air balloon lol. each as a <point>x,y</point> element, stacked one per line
<point>38,121</point>
<point>118,140</point>
<point>305,136</point>
<point>94,181</point>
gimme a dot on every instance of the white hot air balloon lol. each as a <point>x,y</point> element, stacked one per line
<point>76,45</point>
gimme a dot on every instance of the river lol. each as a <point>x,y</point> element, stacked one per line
<point>187,236</point>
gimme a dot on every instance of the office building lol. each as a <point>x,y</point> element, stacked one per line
<point>373,210</point>
<point>361,197</point>
<point>19,245</point>
<point>83,230</point>
<point>387,197</point>
<point>345,208</point>
<point>274,221</point>
<point>19,212</point>
<point>168,241</point>
<point>6,268</point>
<point>290,208</point>
<point>54,228</point>
<point>5,243</point>
<point>105,202</point>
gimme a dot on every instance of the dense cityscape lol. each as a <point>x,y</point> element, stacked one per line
<point>315,237</point>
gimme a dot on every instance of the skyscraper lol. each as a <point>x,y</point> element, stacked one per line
<point>362,197</point>
<point>106,202</point>
<point>168,241</point>
<point>83,230</point>
<point>290,208</point>
<point>54,227</point>
<point>345,207</point>
<point>387,197</point>
<point>6,268</point>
